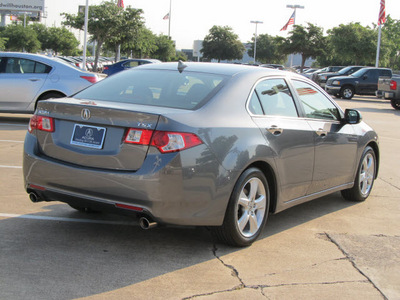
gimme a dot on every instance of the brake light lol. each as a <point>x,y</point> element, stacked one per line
<point>92,79</point>
<point>41,123</point>
<point>393,85</point>
<point>164,141</point>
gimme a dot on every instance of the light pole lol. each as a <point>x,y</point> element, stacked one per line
<point>296,6</point>
<point>255,38</point>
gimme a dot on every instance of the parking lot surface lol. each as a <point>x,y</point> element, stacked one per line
<point>325,249</point>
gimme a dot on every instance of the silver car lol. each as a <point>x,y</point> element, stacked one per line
<point>27,78</point>
<point>199,144</point>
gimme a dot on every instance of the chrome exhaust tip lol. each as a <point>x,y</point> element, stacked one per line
<point>34,197</point>
<point>145,223</point>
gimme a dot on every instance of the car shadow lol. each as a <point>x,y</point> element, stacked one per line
<point>58,259</point>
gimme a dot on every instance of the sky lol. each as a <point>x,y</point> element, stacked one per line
<point>192,20</point>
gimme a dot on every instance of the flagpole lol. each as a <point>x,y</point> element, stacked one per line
<point>169,19</point>
<point>378,47</point>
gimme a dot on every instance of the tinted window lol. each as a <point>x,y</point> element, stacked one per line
<point>373,74</point>
<point>130,64</point>
<point>188,90</point>
<point>20,65</point>
<point>275,99</point>
<point>385,73</point>
<point>315,104</point>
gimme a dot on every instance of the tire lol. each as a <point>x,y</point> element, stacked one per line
<point>51,95</point>
<point>247,210</point>
<point>395,103</point>
<point>347,92</point>
<point>364,179</point>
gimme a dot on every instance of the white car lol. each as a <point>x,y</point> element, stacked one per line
<point>27,78</point>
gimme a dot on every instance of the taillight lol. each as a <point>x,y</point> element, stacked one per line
<point>164,141</point>
<point>105,68</point>
<point>41,123</point>
<point>92,79</point>
<point>393,85</point>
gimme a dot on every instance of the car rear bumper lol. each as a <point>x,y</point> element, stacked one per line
<point>388,95</point>
<point>165,188</point>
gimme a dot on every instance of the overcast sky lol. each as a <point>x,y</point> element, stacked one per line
<point>192,20</point>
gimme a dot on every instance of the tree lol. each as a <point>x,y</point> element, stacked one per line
<point>20,38</point>
<point>391,42</point>
<point>222,43</point>
<point>268,49</point>
<point>3,42</point>
<point>165,48</point>
<point>307,41</point>
<point>105,22</point>
<point>352,44</point>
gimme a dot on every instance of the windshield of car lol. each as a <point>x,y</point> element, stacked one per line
<point>359,73</point>
<point>344,70</point>
<point>187,90</point>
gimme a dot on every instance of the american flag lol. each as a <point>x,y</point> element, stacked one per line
<point>166,17</point>
<point>290,22</point>
<point>120,3</point>
<point>382,17</point>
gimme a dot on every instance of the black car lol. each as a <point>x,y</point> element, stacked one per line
<point>361,82</point>
<point>321,78</point>
<point>330,69</point>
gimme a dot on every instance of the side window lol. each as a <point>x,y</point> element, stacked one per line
<point>20,65</point>
<point>372,74</point>
<point>13,66</point>
<point>275,99</point>
<point>385,73</point>
<point>315,104</point>
<point>131,64</point>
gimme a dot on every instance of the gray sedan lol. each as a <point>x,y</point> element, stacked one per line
<point>27,78</point>
<point>199,144</point>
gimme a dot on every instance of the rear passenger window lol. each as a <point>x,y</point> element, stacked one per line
<point>272,98</point>
<point>20,65</point>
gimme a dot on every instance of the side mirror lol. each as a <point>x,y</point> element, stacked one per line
<point>365,77</point>
<point>352,116</point>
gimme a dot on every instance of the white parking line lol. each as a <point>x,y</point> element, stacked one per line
<point>11,141</point>
<point>10,167</point>
<point>46,218</point>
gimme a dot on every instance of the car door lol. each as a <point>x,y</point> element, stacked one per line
<point>20,82</point>
<point>335,143</point>
<point>369,82</point>
<point>289,137</point>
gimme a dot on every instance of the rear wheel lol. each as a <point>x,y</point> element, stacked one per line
<point>347,92</point>
<point>395,103</point>
<point>364,179</point>
<point>247,210</point>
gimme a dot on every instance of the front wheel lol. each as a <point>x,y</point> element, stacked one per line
<point>347,92</point>
<point>395,103</point>
<point>247,210</point>
<point>364,179</point>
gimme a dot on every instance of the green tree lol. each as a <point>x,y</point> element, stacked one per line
<point>165,48</point>
<point>307,41</point>
<point>3,42</point>
<point>391,42</point>
<point>222,43</point>
<point>20,38</point>
<point>352,44</point>
<point>268,49</point>
<point>105,22</point>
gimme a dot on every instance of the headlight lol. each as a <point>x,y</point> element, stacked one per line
<point>336,82</point>
<point>322,77</point>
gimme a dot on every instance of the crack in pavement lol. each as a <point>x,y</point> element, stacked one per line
<point>389,183</point>
<point>351,259</point>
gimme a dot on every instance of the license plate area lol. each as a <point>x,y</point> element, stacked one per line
<point>88,136</point>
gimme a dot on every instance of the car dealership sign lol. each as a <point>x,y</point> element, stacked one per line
<point>22,5</point>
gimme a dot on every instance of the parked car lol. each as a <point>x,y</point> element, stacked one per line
<point>330,69</point>
<point>198,144</point>
<point>322,78</point>
<point>273,66</point>
<point>307,73</point>
<point>27,78</point>
<point>127,64</point>
<point>361,82</point>
<point>390,89</point>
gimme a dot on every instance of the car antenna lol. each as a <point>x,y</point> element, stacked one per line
<point>181,66</point>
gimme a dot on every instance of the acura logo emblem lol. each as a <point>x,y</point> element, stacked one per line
<point>85,114</point>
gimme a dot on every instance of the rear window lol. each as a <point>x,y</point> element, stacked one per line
<point>186,90</point>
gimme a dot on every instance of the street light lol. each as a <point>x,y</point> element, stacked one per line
<point>255,38</point>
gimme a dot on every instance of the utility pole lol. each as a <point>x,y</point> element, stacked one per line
<point>255,38</point>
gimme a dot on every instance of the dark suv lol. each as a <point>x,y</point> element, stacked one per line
<point>322,78</point>
<point>361,82</point>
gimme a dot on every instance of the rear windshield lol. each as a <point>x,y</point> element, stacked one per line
<point>186,90</point>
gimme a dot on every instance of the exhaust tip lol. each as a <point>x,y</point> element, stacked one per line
<point>34,197</point>
<point>145,223</point>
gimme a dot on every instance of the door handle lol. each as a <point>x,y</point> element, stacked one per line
<point>275,130</point>
<point>321,132</point>
<point>34,79</point>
